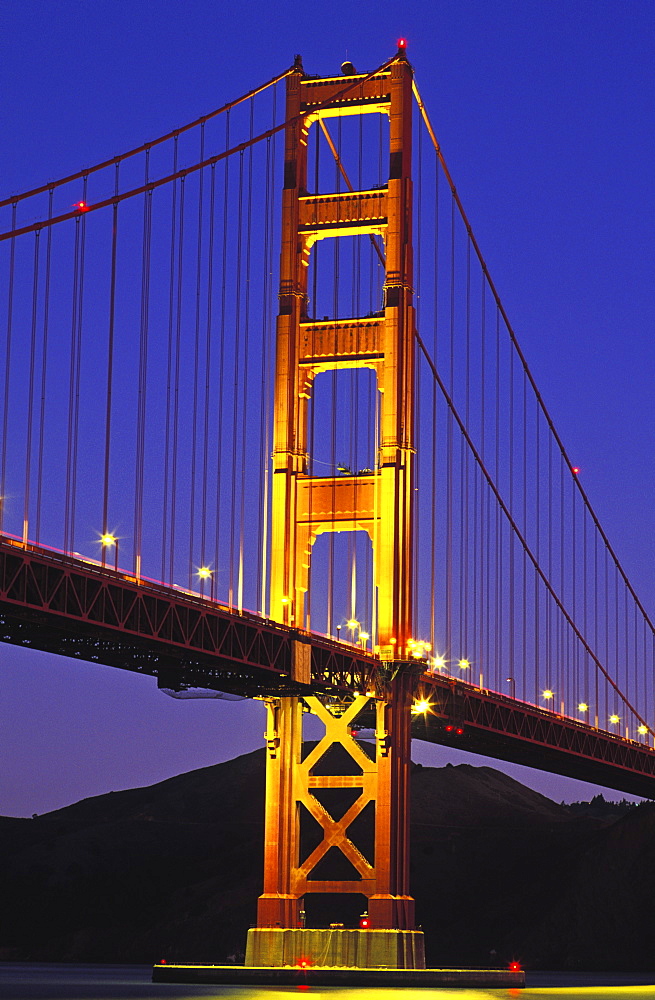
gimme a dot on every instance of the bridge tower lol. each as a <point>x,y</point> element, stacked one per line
<point>303,506</point>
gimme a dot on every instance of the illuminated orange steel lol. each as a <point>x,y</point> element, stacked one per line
<point>378,502</point>
<point>291,783</point>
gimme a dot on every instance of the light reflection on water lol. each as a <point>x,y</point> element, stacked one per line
<point>107,982</point>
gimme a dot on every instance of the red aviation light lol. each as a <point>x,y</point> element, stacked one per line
<point>81,206</point>
<point>364,922</point>
<point>459,730</point>
<point>449,729</point>
<point>402,44</point>
<point>575,469</point>
<point>515,967</point>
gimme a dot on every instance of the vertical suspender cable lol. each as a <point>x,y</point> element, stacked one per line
<point>71,387</point>
<point>139,470</point>
<point>246,370</point>
<point>449,446</point>
<point>44,369</point>
<point>510,537</point>
<point>177,352</point>
<point>266,354</point>
<point>236,369</point>
<point>196,369</point>
<point>30,399</point>
<point>208,371</point>
<point>78,370</point>
<point>434,434</point>
<point>524,568</point>
<point>10,317</point>
<point>464,484</point>
<point>74,384</point>
<point>169,371</point>
<point>221,450</point>
<point>498,532</point>
<point>110,358</point>
<point>312,409</point>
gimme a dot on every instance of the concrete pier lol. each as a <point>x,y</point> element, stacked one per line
<point>240,975</point>
<point>281,947</point>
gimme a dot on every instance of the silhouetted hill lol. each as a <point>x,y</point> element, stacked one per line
<point>174,870</point>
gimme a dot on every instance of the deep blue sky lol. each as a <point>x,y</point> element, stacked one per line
<point>545,111</point>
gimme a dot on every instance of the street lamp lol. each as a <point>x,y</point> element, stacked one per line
<point>352,624</point>
<point>512,681</point>
<point>108,541</point>
<point>204,573</point>
<point>548,695</point>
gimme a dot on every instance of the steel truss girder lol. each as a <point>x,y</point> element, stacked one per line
<point>501,727</point>
<point>64,605</point>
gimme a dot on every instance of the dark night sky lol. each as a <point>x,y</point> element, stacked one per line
<point>544,109</point>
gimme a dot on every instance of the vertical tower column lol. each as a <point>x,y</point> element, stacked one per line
<point>302,505</point>
<point>395,462</point>
<point>379,502</point>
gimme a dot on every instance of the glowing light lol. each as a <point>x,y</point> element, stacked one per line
<point>81,206</point>
<point>364,921</point>
<point>463,664</point>
<point>438,662</point>
<point>583,707</point>
<point>364,635</point>
<point>575,469</point>
<point>108,539</point>
<point>204,573</point>
<point>547,694</point>
<point>614,719</point>
<point>514,966</point>
<point>285,600</point>
<point>459,731</point>
<point>449,729</point>
<point>418,648</point>
<point>642,730</point>
<point>402,43</point>
<point>420,707</point>
<point>352,624</point>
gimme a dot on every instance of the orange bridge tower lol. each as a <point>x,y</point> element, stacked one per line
<point>300,784</point>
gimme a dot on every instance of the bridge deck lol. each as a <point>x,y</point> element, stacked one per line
<point>61,604</point>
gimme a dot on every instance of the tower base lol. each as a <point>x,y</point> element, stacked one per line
<point>280,947</point>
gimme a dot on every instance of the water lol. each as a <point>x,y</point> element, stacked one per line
<point>132,982</point>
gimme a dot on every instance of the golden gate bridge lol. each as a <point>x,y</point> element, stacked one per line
<point>288,447</point>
